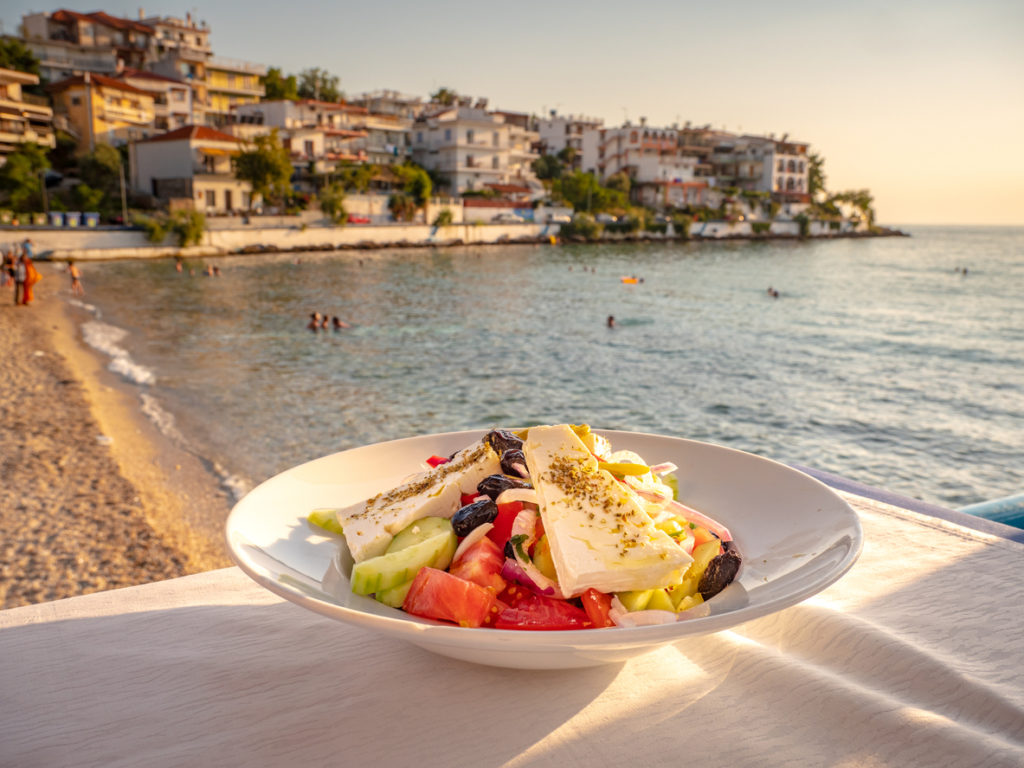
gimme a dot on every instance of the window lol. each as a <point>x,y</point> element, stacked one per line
<point>470,161</point>
<point>497,139</point>
<point>633,137</point>
<point>447,134</point>
<point>495,162</point>
<point>469,136</point>
<point>211,198</point>
<point>308,148</point>
<point>419,137</point>
<point>76,101</point>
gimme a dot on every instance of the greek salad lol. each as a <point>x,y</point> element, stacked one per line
<point>546,528</point>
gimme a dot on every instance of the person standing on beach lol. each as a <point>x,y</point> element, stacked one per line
<point>29,276</point>
<point>8,268</point>
<point>20,273</point>
<point>76,279</point>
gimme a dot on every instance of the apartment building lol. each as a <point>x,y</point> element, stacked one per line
<point>764,164</point>
<point>193,166</point>
<point>24,118</point>
<point>68,43</point>
<point>387,102</point>
<point>560,132</point>
<point>97,108</point>
<point>172,98</point>
<point>231,83</point>
<point>472,148</point>
<point>347,133</point>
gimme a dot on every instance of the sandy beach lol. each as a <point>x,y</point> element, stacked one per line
<point>92,496</point>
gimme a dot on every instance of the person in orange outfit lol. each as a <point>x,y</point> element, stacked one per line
<point>32,277</point>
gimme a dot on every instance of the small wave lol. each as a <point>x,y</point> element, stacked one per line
<point>236,485</point>
<point>83,305</point>
<point>105,338</point>
<point>163,420</point>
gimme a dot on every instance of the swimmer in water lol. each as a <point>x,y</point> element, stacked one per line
<point>611,321</point>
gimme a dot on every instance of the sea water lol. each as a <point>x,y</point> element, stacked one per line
<point>895,362</point>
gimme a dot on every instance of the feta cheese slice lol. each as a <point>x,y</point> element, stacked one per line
<point>599,533</point>
<point>370,525</point>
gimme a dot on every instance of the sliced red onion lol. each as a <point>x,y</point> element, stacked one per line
<point>472,538</point>
<point>637,487</point>
<point>525,524</point>
<point>529,577</point>
<point>693,516</point>
<point>527,495</point>
<point>663,469</point>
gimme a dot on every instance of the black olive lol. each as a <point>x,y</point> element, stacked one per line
<point>502,440</point>
<point>495,485</point>
<point>510,549</point>
<point>720,572</point>
<point>509,459</point>
<point>473,515</point>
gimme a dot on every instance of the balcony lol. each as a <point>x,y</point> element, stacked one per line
<point>236,65</point>
<point>117,114</point>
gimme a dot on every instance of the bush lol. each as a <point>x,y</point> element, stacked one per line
<point>444,218</point>
<point>805,224</point>
<point>189,227</point>
<point>761,227</point>
<point>332,203</point>
<point>154,226</point>
<point>582,225</point>
<point>682,223</point>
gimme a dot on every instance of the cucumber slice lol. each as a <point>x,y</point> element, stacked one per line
<point>394,596</point>
<point>419,530</point>
<point>326,519</point>
<point>395,568</point>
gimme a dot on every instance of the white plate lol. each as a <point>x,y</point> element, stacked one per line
<point>796,537</point>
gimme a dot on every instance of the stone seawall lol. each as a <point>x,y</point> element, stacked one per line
<point>229,237</point>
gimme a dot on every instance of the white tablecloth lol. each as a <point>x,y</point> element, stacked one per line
<point>913,658</point>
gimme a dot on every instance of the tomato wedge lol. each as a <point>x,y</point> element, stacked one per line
<point>436,461</point>
<point>481,563</point>
<point>537,612</point>
<point>597,606</point>
<point>439,595</point>
<point>502,530</point>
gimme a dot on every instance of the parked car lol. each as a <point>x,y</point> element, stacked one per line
<point>606,218</point>
<point>507,217</point>
<point>353,219</point>
<point>560,218</point>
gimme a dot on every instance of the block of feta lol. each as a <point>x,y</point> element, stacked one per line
<point>370,525</point>
<point>599,533</point>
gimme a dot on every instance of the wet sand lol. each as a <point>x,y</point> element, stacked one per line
<point>92,496</point>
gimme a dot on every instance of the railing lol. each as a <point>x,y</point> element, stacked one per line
<point>237,65</point>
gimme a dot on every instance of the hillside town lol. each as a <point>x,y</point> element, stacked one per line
<point>109,120</point>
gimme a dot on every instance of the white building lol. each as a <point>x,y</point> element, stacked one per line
<point>560,132</point>
<point>23,118</point>
<point>764,164</point>
<point>191,164</point>
<point>472,148</point>
<point>172,98</point>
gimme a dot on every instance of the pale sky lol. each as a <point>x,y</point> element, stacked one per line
<point>922,102</point>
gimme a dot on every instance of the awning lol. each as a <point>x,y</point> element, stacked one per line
<point>216,152</point>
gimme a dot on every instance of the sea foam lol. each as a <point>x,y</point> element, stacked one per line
<point>105,338</point>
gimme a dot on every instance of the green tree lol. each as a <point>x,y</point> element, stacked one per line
<point>21,178</point>
<point>319,84</point>
<point>585,193</point>
<point>446,96</point>
<point>358,177</point>
<point>267,167</point>
<point>100,172</point>
<point>547,167</point>
<point>401,206</point>
<point>14,55</point>
<point>815,174</point>
<point>416,184</point>
<point>332,202</point>
<point>280,86</point>
<point>619,182</point>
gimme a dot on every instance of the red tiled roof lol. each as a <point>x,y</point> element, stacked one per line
<point>99,17</point>
<point>101,80</point>
<point>509,189</point>
<point>189,132</point>
<point>141,74</point>
<point>484,202</point>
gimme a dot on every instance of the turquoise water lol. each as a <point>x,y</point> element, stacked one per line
<point>879,361</point>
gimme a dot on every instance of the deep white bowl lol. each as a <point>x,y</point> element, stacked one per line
<point>795,534</point>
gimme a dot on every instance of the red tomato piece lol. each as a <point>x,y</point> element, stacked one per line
<point>514,594</point>
<point>436,461</point>
<point>537,612</point>
<point>502,530</point>
<point>481,563</point>
<point>492,614</point>
<point>468,498</point>
<point>597,606</point>
<point>439,595</point>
